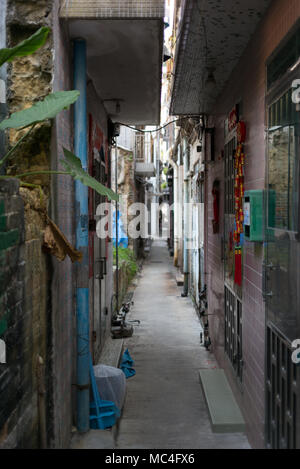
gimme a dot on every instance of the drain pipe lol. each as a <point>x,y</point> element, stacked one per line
<point>81,212</point>
<point>175,189</point>
<point>186,219</point>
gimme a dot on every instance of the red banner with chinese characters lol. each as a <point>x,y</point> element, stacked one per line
<point>239,192</point>
<point>233,119</point>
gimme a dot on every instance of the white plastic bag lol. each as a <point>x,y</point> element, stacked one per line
<point>111,384</point>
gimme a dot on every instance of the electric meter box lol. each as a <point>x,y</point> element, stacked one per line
<point>253,216</point>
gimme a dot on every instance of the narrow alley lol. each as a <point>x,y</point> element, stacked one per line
<point>150,149</point>
<point>165,406</point>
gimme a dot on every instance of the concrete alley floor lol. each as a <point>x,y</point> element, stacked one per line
<point>165,407</point>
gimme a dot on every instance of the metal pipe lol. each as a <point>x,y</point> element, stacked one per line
<point>117,226</point>
<point>158,163</point>
<point>82,240</point>
<point>186,219</point>
<point>176,203</point>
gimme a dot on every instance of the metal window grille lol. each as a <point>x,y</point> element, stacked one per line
<point>143,148</point>
<point>234,332</point>
<point>239,341</point>
<point>140,147</point>
<point>282,394</point>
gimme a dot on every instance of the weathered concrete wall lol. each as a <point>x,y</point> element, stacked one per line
<point>64,273</point>
<point>126,187</point>
<point>101,289</point>
<point>249,86</point>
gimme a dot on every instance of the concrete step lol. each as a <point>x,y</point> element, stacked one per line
<point>180,280</point>
<point>224,411</point>
<point>112,352</point>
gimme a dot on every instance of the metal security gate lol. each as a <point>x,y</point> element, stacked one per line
<point>282,389</point>
<point>281,271</point>
<point>233,293</point>
<point>233,332</point>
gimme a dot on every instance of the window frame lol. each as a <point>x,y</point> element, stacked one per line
<point>281,87</point>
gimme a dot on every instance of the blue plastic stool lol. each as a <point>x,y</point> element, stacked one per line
<point>103,414</point>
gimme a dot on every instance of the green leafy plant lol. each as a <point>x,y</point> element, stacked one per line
<point>73,165</point>
<point>42,111</point>
<point>39,112</point>
<point>127,257</point>
<point>27,47</point>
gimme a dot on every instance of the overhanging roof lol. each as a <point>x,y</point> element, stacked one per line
<point>112,9</point>
<point>124,54</point>
<point>212,36</point>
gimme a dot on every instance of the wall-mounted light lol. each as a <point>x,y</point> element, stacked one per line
<point>118,102</point>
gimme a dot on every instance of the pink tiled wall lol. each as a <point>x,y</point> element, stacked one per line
<point>248,83</point>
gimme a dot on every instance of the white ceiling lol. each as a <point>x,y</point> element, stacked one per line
<point>213,33</point>
<point>124,61</point>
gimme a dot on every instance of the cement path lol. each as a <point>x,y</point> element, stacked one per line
<point>165,407</point>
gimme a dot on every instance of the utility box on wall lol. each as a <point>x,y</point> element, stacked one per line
<point>253,216</point>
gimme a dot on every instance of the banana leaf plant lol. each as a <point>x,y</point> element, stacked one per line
<point>27,47</point>
<point>54,240</point>
<point>42,111</point>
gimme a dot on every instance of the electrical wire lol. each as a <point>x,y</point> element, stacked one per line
<point>159,128</point>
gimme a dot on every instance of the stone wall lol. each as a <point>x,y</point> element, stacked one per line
<point>12,266</point>
<point>24,317</point>
<point>28,80</point>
